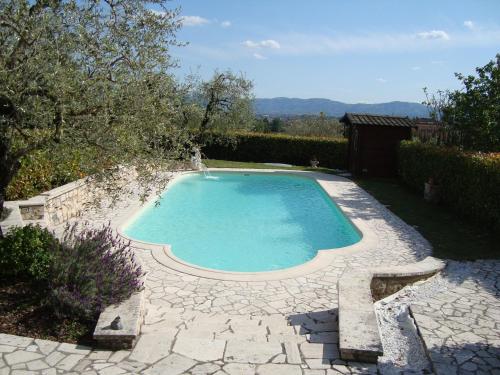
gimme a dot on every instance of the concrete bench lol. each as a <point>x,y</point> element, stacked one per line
<point>359,335</point>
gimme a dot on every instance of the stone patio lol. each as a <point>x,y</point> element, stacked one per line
<point>196,325</point>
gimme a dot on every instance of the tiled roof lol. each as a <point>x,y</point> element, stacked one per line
<point>366,119</point>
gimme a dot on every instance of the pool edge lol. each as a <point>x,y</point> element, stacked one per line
<point>162,253</point>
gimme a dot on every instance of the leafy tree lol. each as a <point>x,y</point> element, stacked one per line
<point>92,75</point>
<point>276,125</point>
<point>474,111</point>
<point>262,125</point>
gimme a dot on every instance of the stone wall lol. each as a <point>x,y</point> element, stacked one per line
<point>66,202</point>
<point>58,205</point>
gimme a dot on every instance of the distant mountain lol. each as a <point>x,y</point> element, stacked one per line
<point>295,107</point>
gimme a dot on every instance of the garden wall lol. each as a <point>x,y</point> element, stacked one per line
<point>57,205</point>
<point>279,148</point>
<point>468,182</point>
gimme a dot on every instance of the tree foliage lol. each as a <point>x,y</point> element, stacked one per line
<point>92,75</point>
<point>319,126</point>
<point>221,104</point>
<point>474,111</point>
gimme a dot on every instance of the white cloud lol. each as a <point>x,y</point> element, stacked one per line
<point>415,68</point>
<point>268,43</point>
<point>194,21</point>
<point>433,35</point>
<point>470,25</point>
<point>381,80</point>
<point>225,24</point>
<point>258,56</point>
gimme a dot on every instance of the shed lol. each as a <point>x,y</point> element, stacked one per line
<point>373,142</point>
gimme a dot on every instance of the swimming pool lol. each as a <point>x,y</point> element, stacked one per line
<point>244,222</point>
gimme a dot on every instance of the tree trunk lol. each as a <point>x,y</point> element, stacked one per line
<point>2,200</point>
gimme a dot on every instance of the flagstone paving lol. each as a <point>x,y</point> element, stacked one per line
<point>461,325</point>
<point>196,325</point>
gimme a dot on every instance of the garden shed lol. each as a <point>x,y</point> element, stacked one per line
<point>373,142</point>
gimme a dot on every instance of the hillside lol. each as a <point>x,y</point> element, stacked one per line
<point>294,106</point>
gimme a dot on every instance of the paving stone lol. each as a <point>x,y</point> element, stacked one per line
<point>100,354</point>
<point>12,340</point>
<point>53,358</point>
<point>69,362</point>
<point>275,369</point>
<point>251,352</point>
<point>280,358</point>
<point>292,353</point>
<point>37,365</point>
<point>315,350</point>
<point>119,356</point>
<point>112,370</point>
<point>74,349</point>
<point>205,368</point>
<point>7,348</point>
<point>172,365</point>
<point>134,367</point>
<point>200,349</point>
<point>318,363</point>
<point>151,347</point>
<point>324,338</point>
<point>46,346</point>
<point>20,356</point>
<point>240,368</point>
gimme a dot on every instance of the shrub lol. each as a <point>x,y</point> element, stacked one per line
<point>93,269</point>
<point>27,252</point>
<point>280,148</point>
<point>42,171</point>
<point>469,182</point>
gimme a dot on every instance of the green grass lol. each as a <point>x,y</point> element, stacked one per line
<point>212,163</point>
<point>451,237</point>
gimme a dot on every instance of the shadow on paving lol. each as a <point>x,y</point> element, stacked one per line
<point>322,331</point>
<point>471,358</point>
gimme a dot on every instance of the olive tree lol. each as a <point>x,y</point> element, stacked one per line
<point>93,75</point>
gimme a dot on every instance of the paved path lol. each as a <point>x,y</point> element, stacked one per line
<point>461,325</point>
<point>203,326</point>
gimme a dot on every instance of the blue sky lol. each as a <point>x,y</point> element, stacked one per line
<point>352,51</point>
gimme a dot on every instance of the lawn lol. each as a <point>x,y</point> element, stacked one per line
<point>212,163</point>
<point>452,237</point>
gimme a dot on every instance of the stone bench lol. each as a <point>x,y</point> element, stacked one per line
<point>359,336</point>
<point>131,313</point>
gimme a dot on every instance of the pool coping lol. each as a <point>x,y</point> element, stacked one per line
<point>163,254</point>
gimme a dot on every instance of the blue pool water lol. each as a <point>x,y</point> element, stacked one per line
<point>244,221</point>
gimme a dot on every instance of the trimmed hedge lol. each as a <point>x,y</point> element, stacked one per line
<point>279,148</point>
<point>469,182</point>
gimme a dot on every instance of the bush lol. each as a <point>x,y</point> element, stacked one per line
<point>27,252</point>
<point>93,269</point>
<point>469,182</point>
<point>42,171</point>
<point>279,148</point>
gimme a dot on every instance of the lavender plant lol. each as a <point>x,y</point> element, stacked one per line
<point>93,269</point>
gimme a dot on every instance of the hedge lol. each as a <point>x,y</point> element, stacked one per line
<point>468,182</point>
<point>279,148</point>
